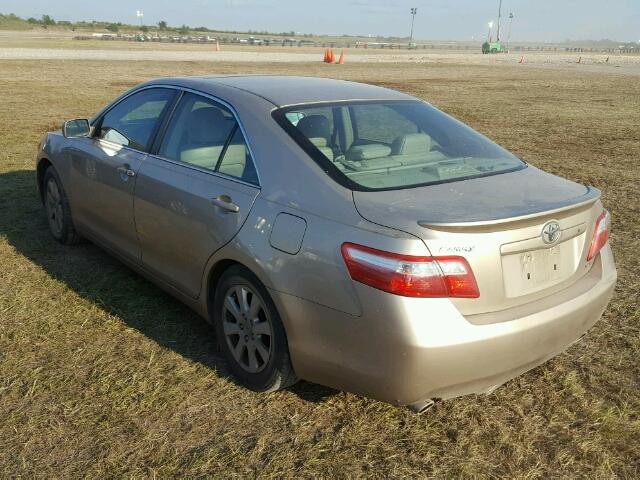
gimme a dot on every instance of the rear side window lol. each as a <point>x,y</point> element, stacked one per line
<point>133,121</point>
<point>205,134</point>
<point>236,162</point>
<point>380,145</point>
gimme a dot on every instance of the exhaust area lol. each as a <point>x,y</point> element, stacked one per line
<point>422,406</point>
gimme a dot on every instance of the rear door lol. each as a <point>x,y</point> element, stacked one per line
<point>104,168</point>
<point>193,195</point>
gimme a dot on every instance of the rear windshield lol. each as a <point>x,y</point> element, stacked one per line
<point>392,145</point>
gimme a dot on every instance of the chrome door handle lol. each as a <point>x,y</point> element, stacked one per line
<point>126,172</point>
<point>224,202</point>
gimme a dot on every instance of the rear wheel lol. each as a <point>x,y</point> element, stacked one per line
<point>250,333</point>
<point>56,206</point>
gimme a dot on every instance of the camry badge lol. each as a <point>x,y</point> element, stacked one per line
<point>551,232</point>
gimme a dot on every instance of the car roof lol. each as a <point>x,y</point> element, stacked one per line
<point>283,90</point>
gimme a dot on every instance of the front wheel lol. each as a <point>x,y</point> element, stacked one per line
<point>57,208</point>
<point>250,333</point>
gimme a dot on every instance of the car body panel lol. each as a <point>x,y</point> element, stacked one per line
<point>317,271</point>
<point>280,91</point>
<point>178,226</point>
<point>405,350</point>
<point>102,195</point>
<point>342,333</point>
<point>480,200</point>
<point>510,261</point>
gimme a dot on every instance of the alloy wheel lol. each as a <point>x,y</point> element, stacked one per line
<point>53,205</point>
<point>247,328</point>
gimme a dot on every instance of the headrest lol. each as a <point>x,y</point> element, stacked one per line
<point>208,125</point>
<point>411,143</point>
<point>319,141</point>
<point>314,126</point>
<point>367,152</point>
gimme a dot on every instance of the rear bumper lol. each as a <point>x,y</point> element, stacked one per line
<point>404,350</point>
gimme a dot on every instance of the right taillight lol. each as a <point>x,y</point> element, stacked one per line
<point>600,235</point>
<point>408,275</point>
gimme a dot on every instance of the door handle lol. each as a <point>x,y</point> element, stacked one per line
<point>225,202</point>
<point>126,172</point>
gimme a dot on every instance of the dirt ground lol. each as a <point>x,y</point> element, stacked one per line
<point>102,374</point>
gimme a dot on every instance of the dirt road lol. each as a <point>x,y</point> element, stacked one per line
<point>589,62</point>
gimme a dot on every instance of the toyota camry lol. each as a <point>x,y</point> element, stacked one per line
<point>341,233</point>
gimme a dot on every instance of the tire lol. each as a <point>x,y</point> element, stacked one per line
<point>56,205</point>
<point>246,330</point>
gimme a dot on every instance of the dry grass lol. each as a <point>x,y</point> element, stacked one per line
<point>103,374</point>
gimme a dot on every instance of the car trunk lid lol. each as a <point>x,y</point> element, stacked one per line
<point>497,224</point>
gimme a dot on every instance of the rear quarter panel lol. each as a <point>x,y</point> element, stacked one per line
<point>317,272</point>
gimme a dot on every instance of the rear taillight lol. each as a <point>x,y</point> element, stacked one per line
<point>600,234</point>
<point>408,275</point>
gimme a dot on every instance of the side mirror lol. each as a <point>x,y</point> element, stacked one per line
<point>76,128</point>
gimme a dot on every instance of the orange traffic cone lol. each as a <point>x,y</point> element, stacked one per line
<point>326,55</point>
<point>521,59</point>
<point>341,59</point>
<point>331,57</point>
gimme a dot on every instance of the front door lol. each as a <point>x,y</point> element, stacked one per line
<point>104,168</point>
<point>195,194</point>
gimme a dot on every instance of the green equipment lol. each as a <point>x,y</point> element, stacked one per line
<point>497,46</point>
<point>493,47</point>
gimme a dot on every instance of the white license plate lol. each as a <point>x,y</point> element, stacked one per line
<point>540,266</point>
<point>534,270</point>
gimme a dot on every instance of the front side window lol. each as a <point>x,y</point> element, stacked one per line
<point>396,144</point>
<point>205,134</point>
<point>133,121</point>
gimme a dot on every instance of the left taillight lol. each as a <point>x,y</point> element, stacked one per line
<point>408,275</point>
<point>600,235</point>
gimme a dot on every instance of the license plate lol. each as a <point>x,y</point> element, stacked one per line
<point>535,270</point>
<point>540,266</point>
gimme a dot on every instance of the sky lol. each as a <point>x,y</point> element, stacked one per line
<point>535,20</point>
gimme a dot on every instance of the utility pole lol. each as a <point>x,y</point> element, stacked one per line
<point>489,34</point>
<point>140,14</point>
<point>499,15</point>
<point>413,18</point>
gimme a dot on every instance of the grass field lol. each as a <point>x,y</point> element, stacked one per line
<point>102,374</point>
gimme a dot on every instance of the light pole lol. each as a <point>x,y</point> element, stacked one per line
<point>509,35</point>
<point>499,16</point>
<point>140,14</point>
<point>413,18</point>
<point>489,34</point>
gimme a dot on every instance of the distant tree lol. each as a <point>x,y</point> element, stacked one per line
<point>47,20</point>
<point>183,30</point>
<point>162,25</point>
<point>144,28</point>
<point>32,20</point>
<point>112,27</point>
